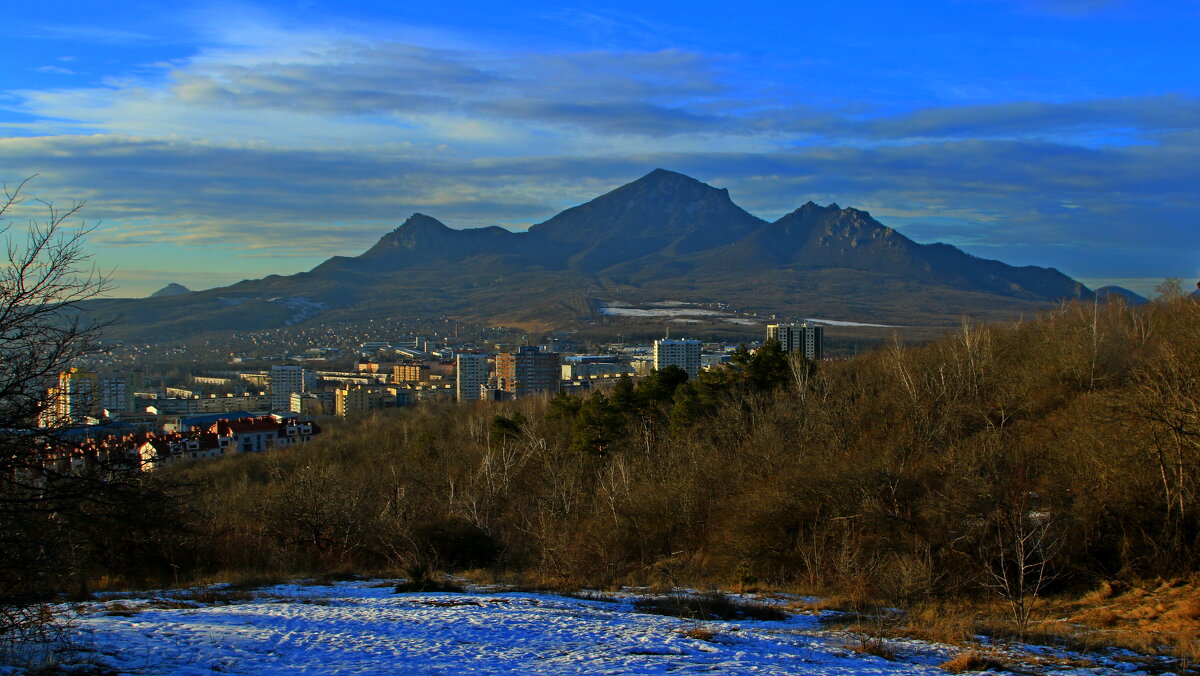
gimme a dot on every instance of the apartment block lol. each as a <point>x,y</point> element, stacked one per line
<point>471,372</point>
<point>410,371</point>
<point>82,395</point>
<point>286,380</point>
<point>680,352</point>
<point>360,399</point>
<point>528,371</point>
<point>805,338</point>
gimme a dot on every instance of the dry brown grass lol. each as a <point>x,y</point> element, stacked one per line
<point>169,604</point>
<point>214,597</point>
<point>1154,617</point>
<point>874,645</point>
<point>701,633</point>
<point>971,661</point>
<point>941,623</point>
<point>708,606</point>
<point>118,609</point>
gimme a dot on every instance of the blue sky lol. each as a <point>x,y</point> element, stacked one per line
<point>219,141</point>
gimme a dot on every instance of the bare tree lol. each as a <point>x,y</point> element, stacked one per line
<point>1021,532</point>
<point>1168,289</point>
<point>44,279</point>
<point>1024,543</point>
<point>1163,410</point>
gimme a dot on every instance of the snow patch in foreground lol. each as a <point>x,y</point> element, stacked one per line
<point>364,628</point>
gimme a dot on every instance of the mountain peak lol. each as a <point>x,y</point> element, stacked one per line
<point>171,289</point>
<point>811,207</point>
<point>419,221</point>
<point>666,175</point>
<point>661,211</point>
<point>666,181</point>
<point>418,231</point>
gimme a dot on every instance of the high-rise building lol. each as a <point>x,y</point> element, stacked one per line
<point>82,394</point>
<point>807,339</point>
<point>286,380</point>
<point>471,371</point>
<point>680,352</point>
<point>75,398</point>
<point>116,393</point>
<point>528,371</point>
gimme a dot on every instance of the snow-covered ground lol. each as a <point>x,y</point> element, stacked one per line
<point>838,322</point>
<point>615,311</point>
<point>365,628</point>
<point>678,311</point>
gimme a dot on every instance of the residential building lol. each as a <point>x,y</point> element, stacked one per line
<point>410,371</point>
<point>85,396</point>
<point>591,365</point>
<point>471,372</point>
<point>680,352</point>
<point>286,380</point>
<point>149,450</point>
<point>528,371</point>
<point>256,378</point>
<point>200,422</point>
<point>209,404</point>
<point>116,393</point>
<point>213,380</point>
<point>306,404</point>
<point>431,391</point>
<point>350,377</point>
<point>807,339</point>
<point>359,399</point>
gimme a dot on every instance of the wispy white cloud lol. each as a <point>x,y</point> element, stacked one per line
<point>393,91</point>
<point>65,30</point>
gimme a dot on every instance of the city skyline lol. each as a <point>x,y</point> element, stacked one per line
<point>217,142</point>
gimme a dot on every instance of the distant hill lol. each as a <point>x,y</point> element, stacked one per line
<point>1130,297</point>
<point>171,289</point>
<point>665,236</point>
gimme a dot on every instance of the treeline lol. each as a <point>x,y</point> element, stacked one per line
<point>1050,453</point>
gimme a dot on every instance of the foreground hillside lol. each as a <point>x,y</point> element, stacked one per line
<point>988,471</point>
<point>906,473</point>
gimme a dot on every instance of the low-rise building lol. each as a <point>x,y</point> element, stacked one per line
<point>150,450</point>
<point>410,371</point>
<point>359,399</point>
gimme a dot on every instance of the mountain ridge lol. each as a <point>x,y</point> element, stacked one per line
<point>664,235</point>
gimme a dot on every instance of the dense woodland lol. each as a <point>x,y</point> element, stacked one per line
<point>1045,455</point>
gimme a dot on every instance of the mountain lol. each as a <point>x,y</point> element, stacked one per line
<point>822,238</point>
<point>171,289</point>
<point>665,236</point>
<point>662,213</point>
<point>1105,293</point>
